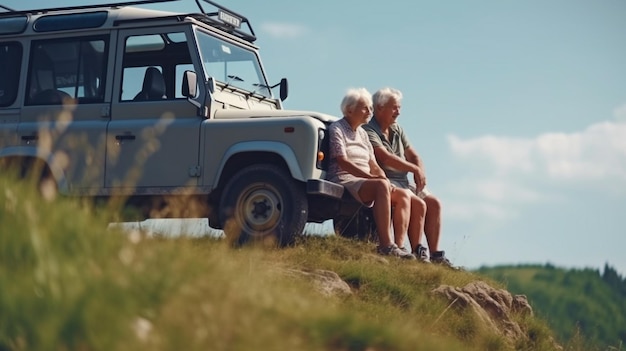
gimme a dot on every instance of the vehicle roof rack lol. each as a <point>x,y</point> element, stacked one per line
<point>81,7</point>
<point>226,20</point>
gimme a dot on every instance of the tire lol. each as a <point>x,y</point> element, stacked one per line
<point>359,225</point>
<point>262,202</point>
<point>41,177</point>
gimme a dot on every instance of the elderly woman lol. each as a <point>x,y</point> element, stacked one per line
<point>353,165</point>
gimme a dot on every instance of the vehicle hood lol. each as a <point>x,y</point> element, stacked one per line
<point>237,114</point>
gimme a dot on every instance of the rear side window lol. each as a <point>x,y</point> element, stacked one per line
<point>67,69</point>
<point>10,65</point>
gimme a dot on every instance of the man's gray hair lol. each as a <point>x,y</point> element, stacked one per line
<point>353,96</point>
<point>383,95</point>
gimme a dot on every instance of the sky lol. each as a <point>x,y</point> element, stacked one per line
<point>518,109</point>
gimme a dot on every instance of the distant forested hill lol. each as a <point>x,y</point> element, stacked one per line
<point>585,301</point>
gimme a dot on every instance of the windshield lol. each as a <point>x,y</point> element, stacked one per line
<point>232,65</point>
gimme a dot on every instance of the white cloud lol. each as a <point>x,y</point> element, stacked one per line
<point>504,174</point>
<point>598,153</point>
<point>493,198</point>
<point>283,30</point>
<point>506,154</point>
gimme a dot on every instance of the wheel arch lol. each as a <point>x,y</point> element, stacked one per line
<point>253,152</point>
<point>241,159</point>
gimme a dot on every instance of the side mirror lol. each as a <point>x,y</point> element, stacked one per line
<point>190,84</point>
<point>211,85</point>
<point>284,89</point>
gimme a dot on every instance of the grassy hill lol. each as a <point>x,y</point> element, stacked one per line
<point>68,282</point>
<point>575,302</point>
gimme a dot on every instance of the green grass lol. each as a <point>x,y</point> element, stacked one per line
<point>69,283</point>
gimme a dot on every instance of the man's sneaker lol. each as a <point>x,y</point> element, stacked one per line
<point>395,251</point>
<point>421,253</point>
<point>439,257</point>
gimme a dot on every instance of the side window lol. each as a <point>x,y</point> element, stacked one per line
<point>153,66</point>
<point>10,66</point>
<point>143,83</point>
<point>67,69</point>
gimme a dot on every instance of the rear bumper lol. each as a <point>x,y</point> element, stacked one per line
<point>324,188</point>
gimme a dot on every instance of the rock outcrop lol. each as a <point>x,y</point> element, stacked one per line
<point>326,282</point>
<point>495,307</point>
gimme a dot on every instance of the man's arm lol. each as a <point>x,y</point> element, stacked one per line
<point>412,164</point>
<point>413,157</point>
<point>393,161</point>
<point>419,177</point>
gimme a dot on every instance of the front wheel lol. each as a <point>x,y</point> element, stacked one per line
<point>261,202</point>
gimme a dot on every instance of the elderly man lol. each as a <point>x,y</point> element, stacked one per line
<point>397,158</point>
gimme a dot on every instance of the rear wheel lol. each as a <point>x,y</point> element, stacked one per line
<point>36,172</point>
<point>262,202</point>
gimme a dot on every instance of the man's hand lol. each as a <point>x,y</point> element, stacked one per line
<point>420,179</point>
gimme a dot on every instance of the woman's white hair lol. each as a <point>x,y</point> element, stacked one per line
<point>353,96</point>
<point>383,95</point>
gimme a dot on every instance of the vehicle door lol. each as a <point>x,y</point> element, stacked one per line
<point>10,66</point>
<point>65,112</point>
<point>153,137</point>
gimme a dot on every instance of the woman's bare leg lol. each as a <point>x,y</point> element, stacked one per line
<point>378,190</point>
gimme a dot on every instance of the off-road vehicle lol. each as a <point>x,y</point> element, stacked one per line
<point>169,113</point>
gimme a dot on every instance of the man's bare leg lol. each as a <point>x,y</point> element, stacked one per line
<point>432,223</point>
<point>401,213</point>
<point>416,222</point>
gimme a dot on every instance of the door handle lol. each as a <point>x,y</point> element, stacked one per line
<point>30,138</point>
<point>120,139</point>
<point>124,137</point>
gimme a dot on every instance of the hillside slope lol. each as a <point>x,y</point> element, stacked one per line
<point>69,283</point>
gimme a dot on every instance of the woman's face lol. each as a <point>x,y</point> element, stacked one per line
<point>360,112</point>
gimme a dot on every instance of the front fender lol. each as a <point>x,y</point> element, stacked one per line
<point>281,149</point>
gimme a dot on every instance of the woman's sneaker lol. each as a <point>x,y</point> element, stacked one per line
<point>421,253</point>
<point>394,250</point>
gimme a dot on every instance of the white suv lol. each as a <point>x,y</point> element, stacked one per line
<point>169,113</point>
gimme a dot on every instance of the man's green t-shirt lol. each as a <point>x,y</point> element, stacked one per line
<point>397,143</point>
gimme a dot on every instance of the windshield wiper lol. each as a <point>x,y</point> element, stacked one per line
<point>259,86</point>
<point>230,79</point>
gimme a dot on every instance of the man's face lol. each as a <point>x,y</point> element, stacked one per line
<point>389,112</point>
